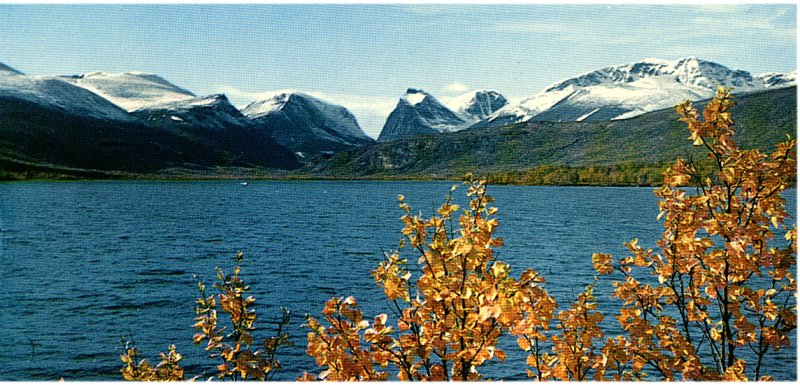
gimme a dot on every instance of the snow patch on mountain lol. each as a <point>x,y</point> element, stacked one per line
<point>628,90</point>
<point>530,107</point>
<point>199,101</point>
<point>57,94</point>
<point>414,98</point>
<point>270,104</point>
<point>131,90</point>
<point>476,105</point>
<point>778,80</point>
<point>336,116</point>
<point>584,116</point>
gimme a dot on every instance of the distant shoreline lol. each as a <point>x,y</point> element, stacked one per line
<point>616,175</point>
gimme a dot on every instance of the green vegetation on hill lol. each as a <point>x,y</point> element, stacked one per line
<point>625,152</point>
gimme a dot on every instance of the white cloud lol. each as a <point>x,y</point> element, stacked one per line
<point>633,25</point>
<point>578,32</point>
<point>455,87</point>
<point>534,27</point>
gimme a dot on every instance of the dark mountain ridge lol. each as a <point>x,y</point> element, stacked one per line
<point>307,125</point>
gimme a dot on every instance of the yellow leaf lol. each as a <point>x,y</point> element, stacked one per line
<point>523,343</point>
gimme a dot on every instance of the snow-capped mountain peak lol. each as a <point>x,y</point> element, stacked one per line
<point>706,74</point>
<point>627,90</point>
<point>477,105</point>
<point>200,101</point>
<point>419,113</point>
<point>131,90</point>
<point>305,123</point>
<point>690,71</point>
<point>778,80</point>
<point>414,96</point>
<point>269,104</point>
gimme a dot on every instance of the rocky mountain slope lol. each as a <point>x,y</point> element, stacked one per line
<point>214,122</point>
<point>141,123</point>
<point>477,105</point>
<point>762,119</point>
<point>625,91</point>
<point>307,125</point>
<point>419,113</point>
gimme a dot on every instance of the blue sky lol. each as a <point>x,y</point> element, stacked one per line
<point>365,56</point>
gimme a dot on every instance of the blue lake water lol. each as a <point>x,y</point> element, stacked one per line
<point>85,263</point>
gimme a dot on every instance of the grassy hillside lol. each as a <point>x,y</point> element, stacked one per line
<point>642,145</point>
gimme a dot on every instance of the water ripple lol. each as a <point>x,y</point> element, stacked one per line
<point>86,263</point>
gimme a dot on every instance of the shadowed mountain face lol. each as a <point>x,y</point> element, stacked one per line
<point>213,122</point>
<point>762,119</point>
<point>306,124</point>
<point>137,123</point>
<point>419,113</point>
<point>52,122</point>
<point>7,69</point>
<point>478,105</point>
<point>41,134</point>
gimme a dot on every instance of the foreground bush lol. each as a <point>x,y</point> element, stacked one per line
<point>723,283</point>
<point>720,284</point>
<point>710,304</point>
<point>448,318</point>
<point>231,346</point>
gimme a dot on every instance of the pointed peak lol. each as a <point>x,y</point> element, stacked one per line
<point>487,92</point>
<point>414,96</point>
<point>690,58</point>
<point>265,106</point>
<point>477,104</point>
<point>694,61</point>
<point>282,96</point>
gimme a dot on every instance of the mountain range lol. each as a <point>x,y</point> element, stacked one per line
<point>419,113</point>
<point>626,91</point>
<point>141,123</point>
<point>643,144</point>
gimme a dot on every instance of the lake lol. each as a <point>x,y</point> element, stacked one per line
<point>85,263</point>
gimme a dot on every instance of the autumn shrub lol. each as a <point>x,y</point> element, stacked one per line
<point>448,318</point>
<point>709,305</point>
<point>719,293</point>
<point>232,346</point>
